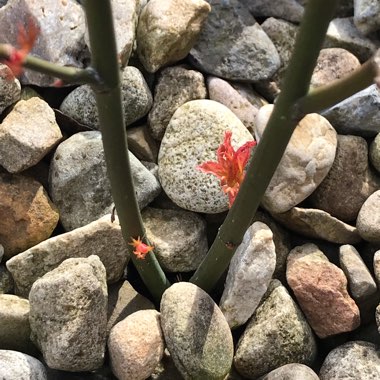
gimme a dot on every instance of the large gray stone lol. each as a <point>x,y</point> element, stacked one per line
<point>68,314</point>
<point>10,88</point>
<point>367,16</point>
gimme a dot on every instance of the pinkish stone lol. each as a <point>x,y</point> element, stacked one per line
<point>321,291</point>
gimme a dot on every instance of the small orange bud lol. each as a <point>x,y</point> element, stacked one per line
<point>141,249</point>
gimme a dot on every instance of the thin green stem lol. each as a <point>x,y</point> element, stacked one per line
<point>269,151</point>
<point>111,117</point>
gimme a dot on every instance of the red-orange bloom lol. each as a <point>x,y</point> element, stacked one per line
<point>230,165</point>
<point>141,249</point>
<point>25,39</point>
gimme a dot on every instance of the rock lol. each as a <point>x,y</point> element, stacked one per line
<point>175,86</point>
<point>18,366</point>
<point>368,221</point>
<point>68,314</point>
<point>278,319</point>
<point>196,333</point>
<point>14,327</point>
<point>367,16</point>
<point>167,31</point>
<point>358,114</point>
<point>289,10</point>
<point>353,360</point>
<point>321,290</point>
<point>360,280</point>
<point>318,224</point>
<point>123,300</point>
<point>137,100</point>
<point>178,236</point>
<point>27,215</point>
<point>376,266</point>
<point>27,134</point>
<point>332,64</point>
<point>250,271</point>
<point>343,33</point>
<point>141,143</point>
<point>102,238</point>
<point>10,88</point>
<point>79,184</point>
<point>293,371</point>
<point>349,182</point>
<point>192,137</point>
<point>136,345</point>
<point>221,91</point>
<point>232,45</point>
<point>6,281</point>
<point>64,20</point>
<point>305,163</point>
<point>374,153</point>
<point>166,370</point>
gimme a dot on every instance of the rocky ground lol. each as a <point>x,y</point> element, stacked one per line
<point>301,298</point>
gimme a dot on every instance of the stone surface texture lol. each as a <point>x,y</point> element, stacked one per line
<point>10,88</point>
<point>68,314</point>
<point>141,143</point>
<point>293,371</point>
<point>367,16</point>
<point>196,333</point>
<point>136,345</point>
<point>321,290</point>
<point>368,221</point>
<point>374,152</point>
<point>27,134</point>
<point>249,275</point>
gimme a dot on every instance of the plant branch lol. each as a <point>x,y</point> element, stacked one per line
<point>111,117</point>
<point>269,151</point>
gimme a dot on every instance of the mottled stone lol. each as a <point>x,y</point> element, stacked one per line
<point>79,183</point>
<point>358,115</point>
<point>178,236</point>
<point>18,366</point>
<point>221,91</point>
<point>196,333</point>
<point>137,100</point>
<point>368,221</point>
<point>141,143</point>
<point>27,215</point>
<point>249,274</point>
<point>360,280</point>
<point>10,88</point>
<point>353,360</point>
<point>307,160</point>
<point>63,19</point>
<point>318,224</point>
<point>192,137</point>
<point>68,314</point>
<point>349,182</point>
<point>367,16</point>
<point>175,86</point>
<point>376,266</point>
<point>293,371</point>
<point>232,45</point>
<point>167,30</point>
<point>102,238</point>
<point>6,281</point>
<point>276,335</point>
<point>136,345</point>
<point>374,153</point>
<point>321,290</point>
<point>27,134</point>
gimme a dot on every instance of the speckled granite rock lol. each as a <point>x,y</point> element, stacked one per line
<point>293,371</point>
<point>232,45</point>
<point>367,16</point>
<point>374,152</point>
<point>193,136</point>
<point>167,30</point>
<point>368,221</point>
<point>10,88</point>
<point>196,333</point>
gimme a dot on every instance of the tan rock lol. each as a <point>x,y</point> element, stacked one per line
<point>368,221</point>
<point>141,143</point>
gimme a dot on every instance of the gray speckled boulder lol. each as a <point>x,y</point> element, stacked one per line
<point>192,137</point>
<point>357,360</point>
<point>196,333</point>
<point>68,314</point>
<point>367,16</point>
<point>368,221</point>
<point>249,274</point>
<point>276,335</point>
<point>79,184</point>
<point>10,88</point>
<point>293,371</point>
<point>374,153</point>
<point>232,45</point>
<point>136,99</point>
<point>18,366</point>
<point>178,236</point>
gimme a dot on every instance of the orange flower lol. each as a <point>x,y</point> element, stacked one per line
<point>230,165</point>
<point>25,39</point>
<point>141,249</point>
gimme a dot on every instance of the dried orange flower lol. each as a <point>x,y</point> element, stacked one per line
<point>230,165</point>
<point>141,249</point>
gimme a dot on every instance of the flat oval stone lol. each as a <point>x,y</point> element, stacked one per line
<point>192,137</point>
<point>196,333</point>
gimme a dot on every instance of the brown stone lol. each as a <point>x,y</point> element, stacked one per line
<point>27,215</point>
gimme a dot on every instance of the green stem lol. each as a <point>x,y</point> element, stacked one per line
<point>269,151</point>
<point>111,117</point>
